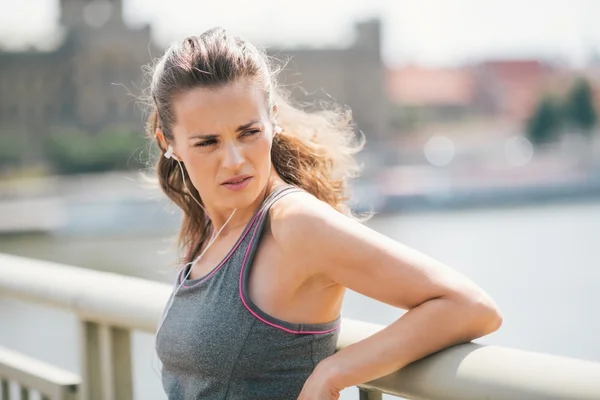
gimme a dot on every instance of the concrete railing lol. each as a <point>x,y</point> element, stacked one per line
<point>29,376</point>
<point>110,306</point>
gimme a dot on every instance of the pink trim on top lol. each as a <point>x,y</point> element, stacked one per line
<point>218,267</point>
<point>256,315</point>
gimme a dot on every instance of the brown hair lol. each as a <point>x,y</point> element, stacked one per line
<point>315,151</point>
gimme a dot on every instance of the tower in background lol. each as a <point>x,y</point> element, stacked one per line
<point>95,14</point>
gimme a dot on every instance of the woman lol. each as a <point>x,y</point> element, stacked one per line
<point>271,245</point>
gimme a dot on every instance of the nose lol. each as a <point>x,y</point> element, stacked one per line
<point>233,158</point>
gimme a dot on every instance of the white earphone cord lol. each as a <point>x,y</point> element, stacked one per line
<point>169,154</point>
<point>172,297</point>
<point>186,187</point>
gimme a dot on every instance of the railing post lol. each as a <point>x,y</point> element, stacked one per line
<point>115,345</point>
<point>91,379</point>
<point>24,393</point>
<point>106,362</point>
<point>365,394</point>
<point>68,393</point>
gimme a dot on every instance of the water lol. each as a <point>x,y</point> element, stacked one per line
<point>540,263</point>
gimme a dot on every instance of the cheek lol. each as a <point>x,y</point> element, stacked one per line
<point>201,171</point>
<point>261,153</point>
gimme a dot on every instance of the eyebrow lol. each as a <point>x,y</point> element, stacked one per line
<point>213,135</point>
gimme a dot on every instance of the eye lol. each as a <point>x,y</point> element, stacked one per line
<point>206,143</point>
<point>251,132</point>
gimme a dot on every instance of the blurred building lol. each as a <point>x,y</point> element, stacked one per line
<point>84,82</point>
<point>510,89</point>
<point>93,78</point>
<point>445,93</point>
<point>503,90</point>
<point>353,76</point>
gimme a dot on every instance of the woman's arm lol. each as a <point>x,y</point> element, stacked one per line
<point>445,308</point>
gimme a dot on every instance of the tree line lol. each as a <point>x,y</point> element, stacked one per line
<point>554,116</point>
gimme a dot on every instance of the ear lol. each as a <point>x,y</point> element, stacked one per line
<point>168,149</point>
<point>277,128</point>
<point>161,138</point>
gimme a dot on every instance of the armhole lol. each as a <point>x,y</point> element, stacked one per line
<point>255,238</point>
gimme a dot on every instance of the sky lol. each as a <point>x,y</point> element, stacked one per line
<point>428,32</point>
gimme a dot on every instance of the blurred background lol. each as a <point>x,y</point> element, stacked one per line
<point>483,146</point>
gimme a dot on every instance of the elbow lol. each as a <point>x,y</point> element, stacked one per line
<point>484,316</point>
<point>492,319</point>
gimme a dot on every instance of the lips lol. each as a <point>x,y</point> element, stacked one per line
<point>237,183</point>
<point>237,179</point>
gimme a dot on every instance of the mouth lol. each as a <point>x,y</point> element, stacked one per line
<point>237,180</point>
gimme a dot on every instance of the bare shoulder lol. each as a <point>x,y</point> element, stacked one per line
<point>297,206</point>
<point>299,214</point>
<point>307,228</point>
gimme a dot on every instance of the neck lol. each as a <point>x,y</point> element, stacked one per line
<point>242,216</point>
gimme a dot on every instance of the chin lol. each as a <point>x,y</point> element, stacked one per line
<point>243,198</point>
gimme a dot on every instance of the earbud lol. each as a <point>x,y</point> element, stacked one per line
<point>169,153</point>
<point>277,129</point>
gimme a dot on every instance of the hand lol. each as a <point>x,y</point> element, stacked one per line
<point>320,384</point>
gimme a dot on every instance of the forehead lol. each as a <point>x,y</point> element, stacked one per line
<point>224,108</point>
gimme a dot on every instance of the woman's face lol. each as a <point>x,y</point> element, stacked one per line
<point>223,136</point>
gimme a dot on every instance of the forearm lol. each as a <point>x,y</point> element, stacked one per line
<point>425,329</point>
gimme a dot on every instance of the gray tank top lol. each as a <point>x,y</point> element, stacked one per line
<point>215,343</point>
